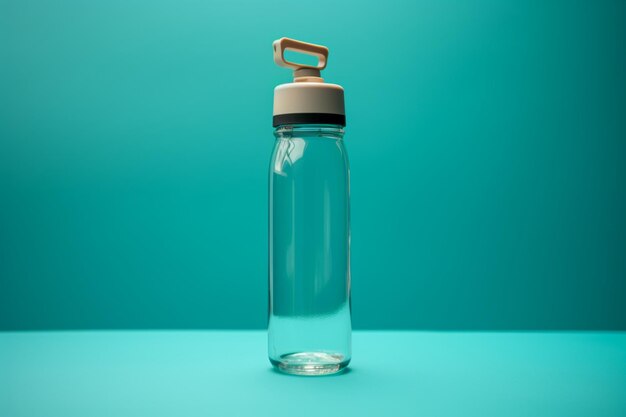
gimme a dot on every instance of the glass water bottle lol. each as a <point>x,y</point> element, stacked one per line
<point>309,224</point>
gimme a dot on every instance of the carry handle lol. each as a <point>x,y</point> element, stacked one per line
<point>302,72</point>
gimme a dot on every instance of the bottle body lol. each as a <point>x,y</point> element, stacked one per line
<point>309,330</point>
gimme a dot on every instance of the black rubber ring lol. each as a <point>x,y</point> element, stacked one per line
<point>309,118</point>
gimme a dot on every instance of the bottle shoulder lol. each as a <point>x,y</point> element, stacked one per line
<point>315,153</point>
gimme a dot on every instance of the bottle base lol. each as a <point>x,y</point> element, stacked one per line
<point>311,363</point>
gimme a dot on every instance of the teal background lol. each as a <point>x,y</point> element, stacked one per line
<point>487,143</point>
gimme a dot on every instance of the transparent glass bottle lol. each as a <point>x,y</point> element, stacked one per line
<point>309,250</point>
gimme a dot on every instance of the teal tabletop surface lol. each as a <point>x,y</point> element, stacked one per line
<point>226,373</point>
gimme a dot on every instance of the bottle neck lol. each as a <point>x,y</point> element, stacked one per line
<point>309,130</point>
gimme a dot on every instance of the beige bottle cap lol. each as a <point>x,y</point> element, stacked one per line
<point>308,99</point>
